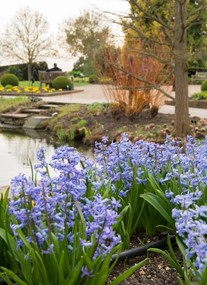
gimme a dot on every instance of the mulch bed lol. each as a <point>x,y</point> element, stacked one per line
<point>156,272</point>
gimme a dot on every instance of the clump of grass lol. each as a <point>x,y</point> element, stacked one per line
<point>61,134</point>
<point>6,103</point>
<point>65,110</point>
<point>70,108</point>
<point>81,123</point>
<point>96,107</point>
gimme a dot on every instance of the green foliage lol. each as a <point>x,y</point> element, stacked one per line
<point>93,79</point>
<point>144,208</point>
<point>21,71</point>
<point>187,273</point>
<point>85,65</point>
<point>62,82</point>
<point>151,18</point>
<point>88,36</point>
<point>9,79</point>
<point>76,132</point>
<point>81,123</point>
<point>64,111</point>
<point>8,86</point>
<point>81,81</point>
<point>5,258</point>
<point>197,41</point>
<point>155,196</point>
<point>86,33</point>
<point>61,134</point>
<point>76,73</point>
<point>204,85</point>
<point>16,70</point>
<point>199,96</point>
<point>93,108</point>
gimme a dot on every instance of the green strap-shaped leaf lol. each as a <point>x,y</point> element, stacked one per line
<point>156,202</point>
<point>13,276</point>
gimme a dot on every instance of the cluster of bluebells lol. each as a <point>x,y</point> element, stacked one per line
<point>181,167</point>
<point>101,215</point>
<point>190,221</point>
<point>124,163</point>
<point>54,205</point>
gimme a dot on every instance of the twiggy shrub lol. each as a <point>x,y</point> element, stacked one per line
<point>138,79</point>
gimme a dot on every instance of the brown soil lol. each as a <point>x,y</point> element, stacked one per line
<point>112,122</point>
<point>89,123</point>
<point>156,272</point>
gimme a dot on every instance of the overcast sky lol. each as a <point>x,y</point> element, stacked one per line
<point>56,11</point>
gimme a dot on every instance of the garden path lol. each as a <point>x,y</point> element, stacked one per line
<point>100,94</point>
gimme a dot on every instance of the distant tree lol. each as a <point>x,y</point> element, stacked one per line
<point>26,38</point>
<point>14,69</point>
<point>86,36</point>
<point>85,65</point>
<point>79,64</point>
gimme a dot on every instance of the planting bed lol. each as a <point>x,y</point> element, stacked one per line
<point>111,122</point>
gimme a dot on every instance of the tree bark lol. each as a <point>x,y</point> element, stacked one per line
<point>29,70</point>
<point>181,70</point>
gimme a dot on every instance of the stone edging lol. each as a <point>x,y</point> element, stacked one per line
<point>40,94</point>
<point>202,104</point>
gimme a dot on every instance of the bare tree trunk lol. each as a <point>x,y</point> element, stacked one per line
<point>181,70</point>
<point>29,70</point>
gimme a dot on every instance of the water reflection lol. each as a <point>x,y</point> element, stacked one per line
<point>17,149</point>
<point>15,152</point>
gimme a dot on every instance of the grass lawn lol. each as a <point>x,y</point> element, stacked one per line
<point>37,83</point>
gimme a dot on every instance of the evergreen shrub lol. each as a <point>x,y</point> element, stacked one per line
<point>93,79</point>
<point>62,82</point>
<point>204,85</point>
<point>9,79</point>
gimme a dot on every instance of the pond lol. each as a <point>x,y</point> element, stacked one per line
<point>16,150</point>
